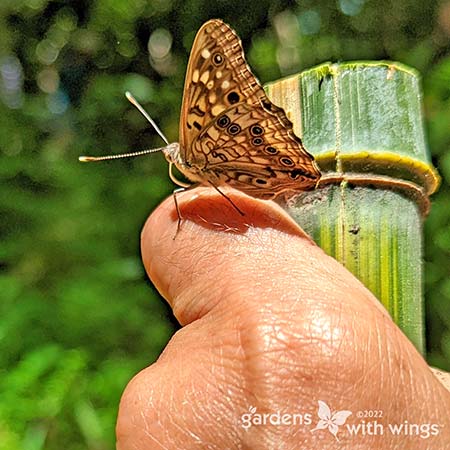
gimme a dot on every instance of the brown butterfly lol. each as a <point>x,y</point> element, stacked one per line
<point>230,132</point>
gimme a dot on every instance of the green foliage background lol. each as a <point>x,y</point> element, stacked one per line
<point>78,317</point>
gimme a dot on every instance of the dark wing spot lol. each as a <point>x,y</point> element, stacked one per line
<point>197,125</point>
<point>234,129</point>
<point>197,111</point>
<point>271,150</point>
<point>354,229</point>
<point>260,181</point>
<point>286,161</point>
<point>271,172</point>
<point>267,105</point>
<point>233,97</point>
<point>223,121</point>
<point>256,130</point>
<point>294,174</point>
<point>257,141</point>
<point>220,156</point>
<point>217,59</point>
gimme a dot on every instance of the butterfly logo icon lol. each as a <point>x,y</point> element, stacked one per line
<point>329,420</point>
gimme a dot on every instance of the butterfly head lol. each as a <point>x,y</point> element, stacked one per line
<point>172,153</point>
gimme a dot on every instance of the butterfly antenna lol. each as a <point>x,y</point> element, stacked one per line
<point>122,155</point>
<point>135,103</point>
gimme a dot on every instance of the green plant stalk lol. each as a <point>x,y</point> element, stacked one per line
<point>362,121</point>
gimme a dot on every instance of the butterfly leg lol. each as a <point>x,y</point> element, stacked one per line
<point>177,207</point>
<point>228,198</point>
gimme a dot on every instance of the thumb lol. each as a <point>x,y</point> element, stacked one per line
<point>272,323</point>
<point>217,252</point>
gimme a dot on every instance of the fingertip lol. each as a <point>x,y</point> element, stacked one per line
<point>170,243</point>
<point>231,212</point>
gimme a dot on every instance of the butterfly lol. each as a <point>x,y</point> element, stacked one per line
<point>230,132</point>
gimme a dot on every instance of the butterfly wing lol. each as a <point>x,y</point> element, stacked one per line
<point>230,132</point>
<point>245,148</point>
<point>210,78</point>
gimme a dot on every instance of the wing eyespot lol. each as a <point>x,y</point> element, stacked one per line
<point>257,141</point>
<point>223,121</point>
<point>256,130</point>
<point>286,161</point>
<point>234,129</point>
<point>271,150</point>
<point>217,59</point>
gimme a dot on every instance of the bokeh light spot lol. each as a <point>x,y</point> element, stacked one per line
<point>309,22</point>
<point>58,102</point>
<point>11,82</point>
<point>351,7</point>
<point>160,43</point>
<point>47,52</point>
<point>48,80</point>
<point>67,19</point>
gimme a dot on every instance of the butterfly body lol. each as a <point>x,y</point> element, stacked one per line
<point>230,132</point>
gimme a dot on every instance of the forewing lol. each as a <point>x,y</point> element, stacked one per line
<point>223,102</point>
<point>217,77</point>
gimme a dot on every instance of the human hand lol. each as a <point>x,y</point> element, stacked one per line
<point>270,322</point>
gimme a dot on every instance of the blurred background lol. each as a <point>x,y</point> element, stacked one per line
<point>78,316</point>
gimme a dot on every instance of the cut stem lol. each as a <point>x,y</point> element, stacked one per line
<point>363,123</point>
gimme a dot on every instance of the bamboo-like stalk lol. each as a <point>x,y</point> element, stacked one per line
<point>363,123</point>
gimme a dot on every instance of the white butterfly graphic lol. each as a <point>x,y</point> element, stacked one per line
<point>329,420</point>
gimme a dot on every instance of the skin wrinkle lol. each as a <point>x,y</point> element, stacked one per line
<point>220,292</point>
<point>170,403</point>
<point>338,338</point>
<point>386,341</point>
<point>155,262</point>
<point>199,273</point>
<point>161,417</point>
<point>423,385</point>
<point>260,379</point>
<point>287,362</point>
<point>398,362</point>
<point>403,380</point>
<point>381,361</point>
<point>292,275</point>
<point>185,304</point>
<point>192,412</point>
<point>230,266</point>
<point>267,353</point>
<point>218,382</point>
<point>227,410</point>
<point>145,417</point>
<point>199,259</point>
